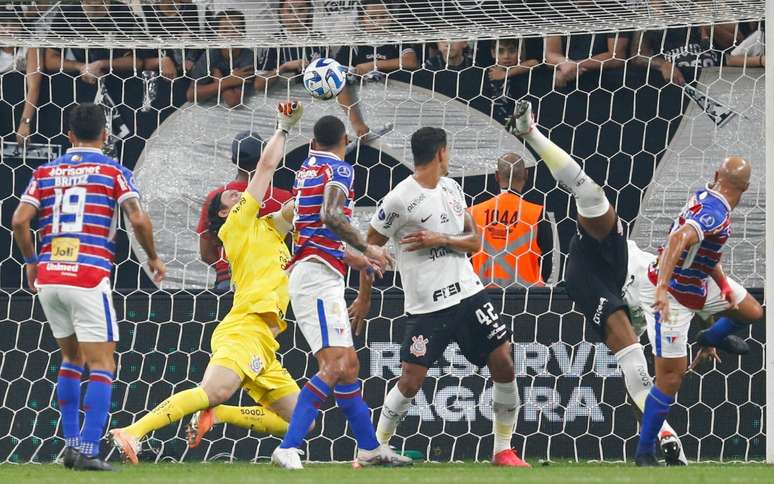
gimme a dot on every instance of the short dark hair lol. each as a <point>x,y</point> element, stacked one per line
<point>328,131</point>
<point>505,43</point>
<point>231,14</point>
<point>214,220</point>
<point>86,121</point>
<point>425,143</point>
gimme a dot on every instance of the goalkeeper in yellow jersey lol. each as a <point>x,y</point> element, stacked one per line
<point>243,345</point>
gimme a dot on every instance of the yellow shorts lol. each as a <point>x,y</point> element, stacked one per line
<point>245,344</point>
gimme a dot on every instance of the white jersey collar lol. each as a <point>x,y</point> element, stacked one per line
<point>326,154</point>
<point>84,149</point>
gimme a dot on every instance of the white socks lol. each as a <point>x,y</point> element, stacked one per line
<point>589,197</point>
<point>394,409</point>
<point>505,404</point>
<point>636,377</point>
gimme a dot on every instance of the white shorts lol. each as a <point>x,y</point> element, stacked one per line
<point>670,339</point>
<point>86,312</point>
<point>317,296</point>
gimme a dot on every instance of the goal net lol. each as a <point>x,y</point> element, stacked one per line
<point>648,96</point>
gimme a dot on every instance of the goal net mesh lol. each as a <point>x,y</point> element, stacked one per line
<point>648,96</point>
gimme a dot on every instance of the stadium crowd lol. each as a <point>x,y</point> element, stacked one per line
<point>140,88</point>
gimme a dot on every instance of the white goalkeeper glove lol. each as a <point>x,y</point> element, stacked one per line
<point>288,115</point>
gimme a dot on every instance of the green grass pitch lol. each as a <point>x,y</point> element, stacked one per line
<point>243,473</point>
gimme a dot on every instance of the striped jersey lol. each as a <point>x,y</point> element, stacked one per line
<point>77,197</point>
<point>709,213</point>
<point>313,240</point>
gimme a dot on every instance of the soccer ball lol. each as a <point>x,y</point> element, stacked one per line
<point>325,78</point>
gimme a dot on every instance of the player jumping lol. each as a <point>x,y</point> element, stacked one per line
<point>243,344</point>
<point>445,300</point>
<point>688,280</point>
<point>597,270</point>
<point>76,198</point>
<point>324,200</point>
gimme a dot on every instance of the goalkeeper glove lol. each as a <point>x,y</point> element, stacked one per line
<point>288,115</point>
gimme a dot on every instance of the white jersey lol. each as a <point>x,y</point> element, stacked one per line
<point>437,278</point>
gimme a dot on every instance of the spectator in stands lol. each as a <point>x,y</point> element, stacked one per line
<point>450,55</point>
<point>288,63</point>
<point>245,153</point>
<point>20,80</point>
<point>577,54</point>
<point>224,72</point>
<point>118,88</point>
<point>677,53</point>
<point>93,18</point>
<point>506,80</point>
<point>372,63</point>
<point>178,20</point>
<point>517,238</point>
<point>750,50</point>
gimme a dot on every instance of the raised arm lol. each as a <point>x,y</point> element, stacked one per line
<point>143,230</point>
<point>288,115</point>
<point>678,241</point>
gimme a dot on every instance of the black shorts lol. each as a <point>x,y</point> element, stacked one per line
<point>595,276</point>
<point>473,324</point>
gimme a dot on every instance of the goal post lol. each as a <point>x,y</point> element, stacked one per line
<point>636,129</point>
<point>769,249</point>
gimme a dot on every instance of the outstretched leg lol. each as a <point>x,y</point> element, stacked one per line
<point>595,215</point>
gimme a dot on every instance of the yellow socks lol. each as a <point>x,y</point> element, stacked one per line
<point>169,411</point>
<point>257,418</point>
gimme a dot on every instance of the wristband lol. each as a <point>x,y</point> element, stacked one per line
<point>31,260</point>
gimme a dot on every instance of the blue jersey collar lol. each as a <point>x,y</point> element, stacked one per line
<point>718,195</point>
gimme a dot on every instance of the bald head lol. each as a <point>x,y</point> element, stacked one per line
<point>511,172</point>
<point>734,173</point>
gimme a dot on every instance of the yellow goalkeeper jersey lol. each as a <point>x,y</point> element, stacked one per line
<point>256,250</point>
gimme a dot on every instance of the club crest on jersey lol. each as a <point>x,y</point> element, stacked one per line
<point>256,364</point>
<point>419,346</point>
<point>707,220</point>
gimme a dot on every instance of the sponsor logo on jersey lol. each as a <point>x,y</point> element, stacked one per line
<point>419,346</point>
<point>74,171</point>
<point>59,267</point>
<point>600,308</point>
<point>425,219</point>
<point>65,249</point>
<point>415,203</point>
<point>390,219</point>
<point>447,291</point>
<point>344,171</point>
<point>444,218</point>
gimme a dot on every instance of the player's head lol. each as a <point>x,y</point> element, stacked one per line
<point>452,50</point>
<point>511,172</point>
<point>246,150</point>
<point>296,15</point>
<point>87,125</point>
<point>230,24</point>
<point>428,145</point>
<point>219,207</point>
<point>506,52</point>
<point>733,178</point>
<point>330,134</point>
<point>374,15</point>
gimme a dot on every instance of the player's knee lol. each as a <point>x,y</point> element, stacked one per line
<point>501,364</point>
<point>670,381</point>
<point>217,394</point>
<point>409,385</point>
<point>755,313</point>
